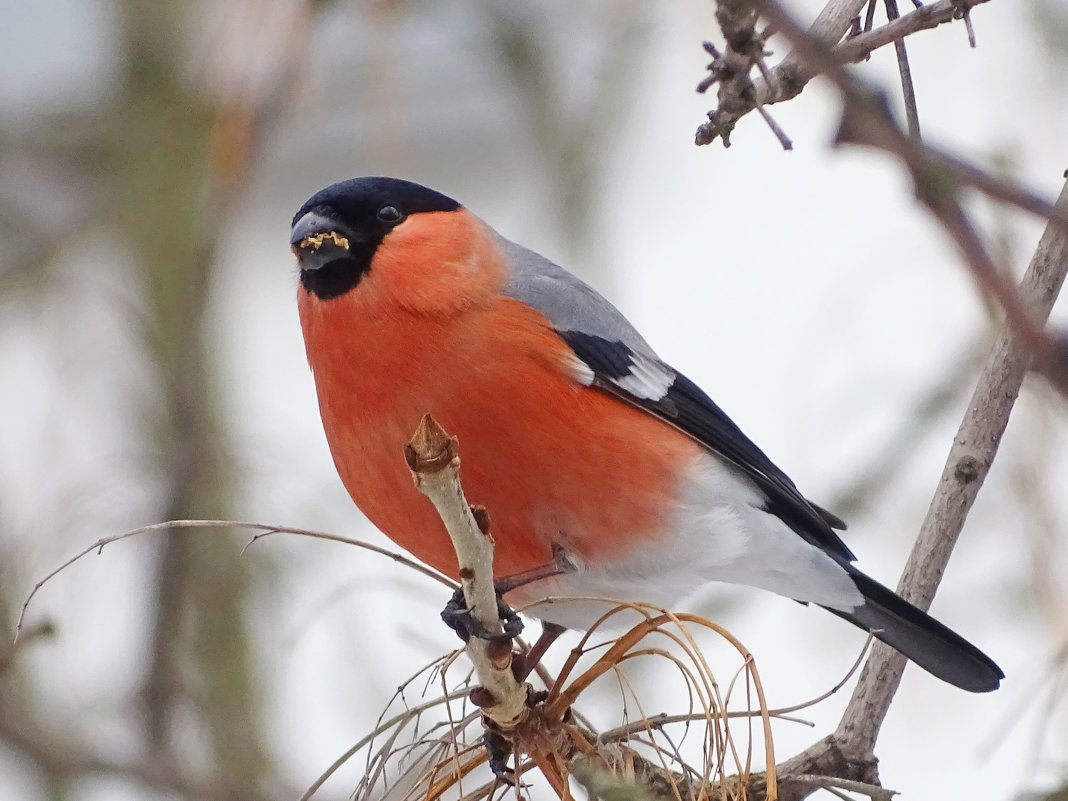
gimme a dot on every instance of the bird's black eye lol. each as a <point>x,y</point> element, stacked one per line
<point>390,215</point>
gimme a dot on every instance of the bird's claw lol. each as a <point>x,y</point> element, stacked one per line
<point>499,749</point>
<point>457,616</point>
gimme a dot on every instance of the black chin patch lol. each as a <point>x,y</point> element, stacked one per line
<point>335,278</point>
<point>352,218</point>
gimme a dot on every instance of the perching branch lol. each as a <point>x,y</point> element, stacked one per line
<point>545,729</point>
<point>551,733</point>
<point>435,465</point>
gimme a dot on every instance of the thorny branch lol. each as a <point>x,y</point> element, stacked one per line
<point>741,94</point>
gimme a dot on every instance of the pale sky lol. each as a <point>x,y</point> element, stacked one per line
<point>805,291</point>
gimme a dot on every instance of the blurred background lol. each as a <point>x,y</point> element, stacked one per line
<point>151,364</point>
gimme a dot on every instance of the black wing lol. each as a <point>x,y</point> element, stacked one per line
<point>657,389</point>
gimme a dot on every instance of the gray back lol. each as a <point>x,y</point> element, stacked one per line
<point>570,303</point>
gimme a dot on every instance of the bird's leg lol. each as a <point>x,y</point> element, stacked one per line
<point>457,616</point>
<point>517,580</point>
<point>499,749</point>
<point>550,632</point>
<point>523,664</point>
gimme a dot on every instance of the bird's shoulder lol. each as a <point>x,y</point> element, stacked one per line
<point>618,361</point>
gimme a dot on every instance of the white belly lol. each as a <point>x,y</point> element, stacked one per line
<point>717,531</point>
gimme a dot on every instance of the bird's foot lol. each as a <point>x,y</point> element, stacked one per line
<point>457,616</point>
<point>499,750</point>
<point>562,562</point>
<point>524,662</point>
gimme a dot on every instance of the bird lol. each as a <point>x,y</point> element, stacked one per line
<point>583,444</point>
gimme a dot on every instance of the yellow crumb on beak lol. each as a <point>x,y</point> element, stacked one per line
<point>316,241</point>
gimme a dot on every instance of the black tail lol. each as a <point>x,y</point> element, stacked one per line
<point>921,638</point>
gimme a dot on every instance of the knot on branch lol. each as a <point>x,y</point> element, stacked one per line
<point>967,469</point>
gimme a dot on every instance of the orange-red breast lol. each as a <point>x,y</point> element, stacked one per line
<point>576,436</point>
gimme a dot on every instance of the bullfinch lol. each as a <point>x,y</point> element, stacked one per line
<point>577,438</point>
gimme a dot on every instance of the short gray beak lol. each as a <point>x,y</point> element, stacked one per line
<point>318,241</point>
<point>311,224</point>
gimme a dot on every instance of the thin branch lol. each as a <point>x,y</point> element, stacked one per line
<point>782,713</point>
<point>1023,342</point>
<point>873,791</point>
<point>849,752</point>
<point>869,17</point>
<point>731,70</point>
<point>970,457</point>
<point>383,726</point>
<point>833,21</point>
<point>435,464</point>
<point>263,528</point>
<point>908,91</point>
<point>966,15</point>
<point>795,71</point>
<point>922,19</point>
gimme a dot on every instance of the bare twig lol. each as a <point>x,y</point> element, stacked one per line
<point>793,73</point>
<point>1023,342</point>
<point>408,714</point>
<point>435,464</point>
<point>922,19</point>
<point>908,91</point>
<point>849,752</point>
<point>869,17</point>
<point>873,791</point>
<point>731,70</point>
<point>833,20</point>
<point>811,57</point>
<point>780,134</point>
<point>966,15</point>
<point>264,529</point>
<point>782,713</point>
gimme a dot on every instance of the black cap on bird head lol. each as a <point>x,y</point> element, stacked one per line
<point>336,232</point>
